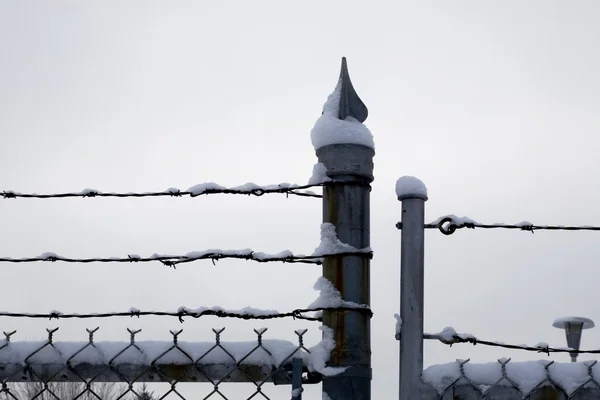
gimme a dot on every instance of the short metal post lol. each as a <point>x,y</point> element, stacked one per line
<point>573,327</point>
<point>297,379</point>
<point>412,282</point>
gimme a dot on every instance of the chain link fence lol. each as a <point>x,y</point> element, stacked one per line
<point>533,380</point>
<point>120,370</point>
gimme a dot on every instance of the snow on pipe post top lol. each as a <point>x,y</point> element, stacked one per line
<point>344,146</point>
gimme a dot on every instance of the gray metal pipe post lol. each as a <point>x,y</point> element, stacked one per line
<point>412,282</point>
<point>297,378</point>
<point>346,204</point>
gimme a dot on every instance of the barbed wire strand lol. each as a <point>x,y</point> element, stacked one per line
<point>212,189</point>
<point>474,341</point>
<point>448,225</point>
<point>204,189</point>
<point>295,314</point>
<point>173,261</point>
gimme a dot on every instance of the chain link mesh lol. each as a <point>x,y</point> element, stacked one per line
<point>116,370</point>
<point>534,380</point>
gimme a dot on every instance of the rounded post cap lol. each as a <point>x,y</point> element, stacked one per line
<point>562,322</point>
<point>409,187</point>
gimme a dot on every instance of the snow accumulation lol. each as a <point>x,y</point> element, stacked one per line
<point>319,174</point>
<point>251,311</point>
<point>204,253</point>
<point>398,323</point>
<point>192,255</point>
<point>49,254</point>
<point>456,220</point>
<point>196,190</point>
<point>329,296</point>
<point>329,129</point>
<point>319,354</point>
<point>466,220</point>
<point>249,187</point>
<point>330,244</point>
<point>274,353</point>
<point>526,375</point>
<point>410,186</point>
<point>234,253</point>
<point>448,334</point>
<point>86,192</point>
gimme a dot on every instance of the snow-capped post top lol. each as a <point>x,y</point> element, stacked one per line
<point>343,144</point>
<point>409,187</point>
<point>341,121</point>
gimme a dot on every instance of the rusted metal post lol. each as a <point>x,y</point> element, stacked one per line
<point>345,147</point>
<point>413,194</point>
<point>346,204</point>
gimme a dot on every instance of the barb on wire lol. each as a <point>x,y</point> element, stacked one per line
<point>213,255</point>
<point>194,191</point>
<point>448,224</point>
<point>449,337</point>
<point>182,312</point>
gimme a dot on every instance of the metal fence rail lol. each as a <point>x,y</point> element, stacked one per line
<point>41,364</point>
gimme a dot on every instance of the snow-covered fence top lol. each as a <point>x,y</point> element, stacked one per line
<point>506,380</point>
<point>259,361</point>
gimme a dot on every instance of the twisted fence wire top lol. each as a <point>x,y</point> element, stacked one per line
<point>175,361</point>
<point>514,380</point>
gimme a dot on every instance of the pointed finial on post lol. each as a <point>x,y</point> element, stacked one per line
<point>350,104</point>
<point>341,121</point>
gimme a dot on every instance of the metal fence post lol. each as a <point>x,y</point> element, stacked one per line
<point>297,367</point>
<point>412,280</point>
<point>346,204</point>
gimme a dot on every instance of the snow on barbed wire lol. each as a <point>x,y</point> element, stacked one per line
<point>329,245</point>
<point>204,188</point>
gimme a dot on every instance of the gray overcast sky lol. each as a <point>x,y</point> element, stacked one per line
<point>494,105</point>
